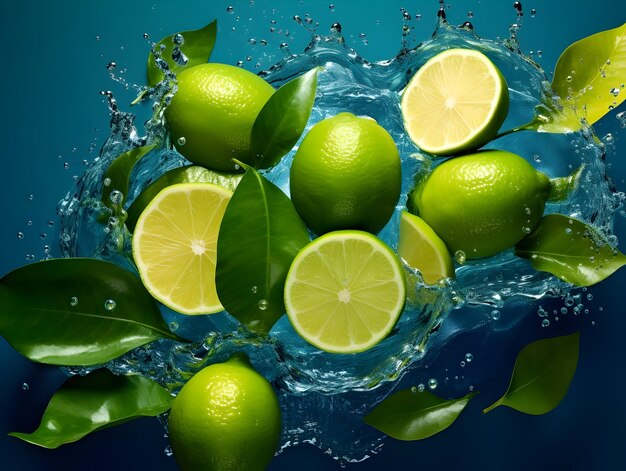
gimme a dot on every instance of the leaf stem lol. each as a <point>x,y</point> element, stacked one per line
<point>530,126</point>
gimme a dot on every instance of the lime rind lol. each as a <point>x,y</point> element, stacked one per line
<point>316,298</point>
<point>479,135</point>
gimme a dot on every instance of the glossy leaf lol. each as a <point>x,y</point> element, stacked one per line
<point>542,374</point>
<point>588,79</point>
<point>117,176</point>
<point>99,400</point>
<point>260,235</point>
<point>571,250</point>
<point>188,174</point>
<point>282,120</point>
<point>77,311</point>
<point>408,415</point>
<point>197,47</point>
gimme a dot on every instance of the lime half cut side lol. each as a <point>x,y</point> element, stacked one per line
<point>345,291</point>
<point>456,102</point>
<point>421,248</point>
<point>174,246</point>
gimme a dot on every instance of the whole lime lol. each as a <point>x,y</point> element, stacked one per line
<point>225,418</point>
<point>211,115</point>
<point>346,174</point>
<point>482,203</point>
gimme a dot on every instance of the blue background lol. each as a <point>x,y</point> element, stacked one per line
<point>53,115</point>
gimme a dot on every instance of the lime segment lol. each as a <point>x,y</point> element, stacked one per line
<point>455,102</point>
<point>174,246</point>
<point>420,247</point>
<point>345,291</point>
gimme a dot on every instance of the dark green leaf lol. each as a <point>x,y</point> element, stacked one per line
<point>586,75</point>
<point>562,187</point>
<point>117,176</point>
<point>55,312</point>
<point>197,48</point>
<point>99,400</point>
<point>571,250</point>
<point>260,235</point>
<point>408,415</point>
<point>542,374</point>
<point>282,120</point>
<point>189,174</point>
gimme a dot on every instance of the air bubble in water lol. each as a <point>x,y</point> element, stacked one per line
<point>495,314</point>
<point>254,289</point>
<point>181,141</point>
<point>168,449</point>
<point>111,65</point>
<point>335,28</point>
<point>518,7</point>
<point>470,14</point>
<point>178,39</point>
<point>230,10</point>
<point>73,301</point>
<point>110,304</point>
<point>25,387</point>
<point>421,387</point>
<point>469,357</point>
<point>331,7</point>
<point>460,257</point>
<point>545,323</point>
<point>116,197</point>
<point>533,12</point>
<point>432,383</point>
<point>263,304</point>
<point>614,91</point>
<point>20,235</point>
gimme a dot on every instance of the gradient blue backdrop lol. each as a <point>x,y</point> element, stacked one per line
<point>53,117</point>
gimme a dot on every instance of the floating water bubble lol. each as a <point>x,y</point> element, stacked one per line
<point>335,28</point>
<point>20,235</point>
<point>173,326</point>
<point>432,383</point>
<point>297,19</point>
<point>230,10</point>
<point>545,323</point>
<point>467,25</point>
<point>25,387</point>
<point>421,387</point>
<point>470,14</point>
<point>331,7</point>
<point>110,304</point>
<point>495,314</point>
<point>254,289</point>
<point>518,7</point>
<point>469,357</point>
<point>462,363</point>
<point>413,389</point>
<point>460,257</point>
<point>116,197</point>
<point>263,304</point>
<point>168,449</point>
<point>614,91</point>
<point>533,12</point>
<point>181,141</point>
<point>73,301</point>
<point>608,138</point>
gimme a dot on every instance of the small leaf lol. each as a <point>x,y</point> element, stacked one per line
<point>282,120</point>
<point>117,176</point>
<point>99,400</point>
<point>188,174</point>
<point>260,235</point>
<point>408,415</point>
<point>571,250</point>
<point>562,187</point>
<point>588,78</point>
<point>196,49</point>
<point>542,374</point>
<point>77,311</point>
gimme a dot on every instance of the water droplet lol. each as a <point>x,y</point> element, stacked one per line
<point>545,323</point>
<point>239,63</point>
<point>263,304</point>
<point>111,65</point>
<point>469,357</point>
<point>590,297</point>
<point>495,314</point>
<point>460,257</point>
<point>146,36</point>
<point>335,28</point>
<point>168,449</point>
<point>25,387</point>
<point>251,41</point>
<point>297,19</point>
<point>518,6</point>
<point>536,158</point>
<point>173,326</point>
<point>564,310</point>
<point>462,364</point>
<point>181,141</point>
<point>331,7</point>
<point>542,312</point>
<point>413,389</point>
<point>116,197</point>
<point>97,38</point>
<point>110,304</point>
<point>614,91</point>
<point>73,301</point>
<point>467,25</point>
<point>470,14</point>
<point>20,235</point>
<point>178,39</point>
<point>230,10</point>
<point>533,12</point>
<point>432,383</point>
<point>107,181</point>
<point>569,78</point>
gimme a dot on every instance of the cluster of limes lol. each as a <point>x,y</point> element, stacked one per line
<point>346,289</point>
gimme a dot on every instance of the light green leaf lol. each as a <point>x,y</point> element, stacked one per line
<point>99,400</point>
<point>408,415</point>
<point>588,78</point>
<point>571,250</point>
<point>197,48</point>
<point>259,236</point>
<point>77,311</point>
<point>283,118</point>
<point>117,176</point>
<point>542,374</point>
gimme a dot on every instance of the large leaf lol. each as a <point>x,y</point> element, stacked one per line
<point>188,174</point>
<point>283,118</point>
<point>571,250</point>
<point>409,415</point>
<point>117,176</point>
<point>542,374</point>
<point>260,235</point>
<point>77,311</point>
<point>196,49</point>
<point>588,78</point>
<point>99,400</point>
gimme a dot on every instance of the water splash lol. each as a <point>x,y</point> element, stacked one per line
<point>325,396</point>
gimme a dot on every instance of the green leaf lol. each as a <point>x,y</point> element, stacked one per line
<point>99,400</point>
<point>542,374</point>
<point>586,77</point>
<point>260,235</point>
<point>188,174</point>
<point>54,312</point>
<point>408,415</point>
<point>571,250</point>
<point>197,48</point>
<point>117,176</point>
<point>562,187</point>
<point>282,120</point>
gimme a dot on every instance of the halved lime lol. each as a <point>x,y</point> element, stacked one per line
<point>174,246</point>
<point>345,291</point>
<point>456,102</point>
<point>420,247</point>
